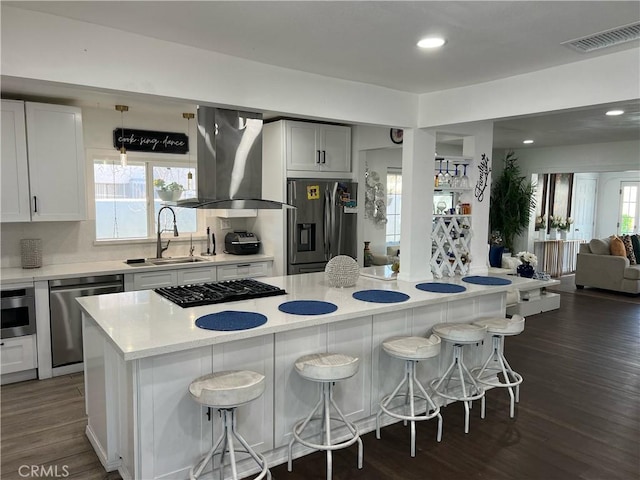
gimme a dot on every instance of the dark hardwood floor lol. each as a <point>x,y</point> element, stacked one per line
<point>578,416</point>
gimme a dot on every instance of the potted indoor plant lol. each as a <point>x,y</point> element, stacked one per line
<point>512,202</point>
<point>555,225</point>
<point>168,192</point>
<point>564,227</point>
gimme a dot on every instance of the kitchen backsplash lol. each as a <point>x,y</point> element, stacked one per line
<point>73,242</point>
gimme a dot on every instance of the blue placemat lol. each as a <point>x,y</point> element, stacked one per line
<point>480,280</point>
<point>307,307</point>
<point>231,320</point>
<point>440,287</point>
<point>381,296</point>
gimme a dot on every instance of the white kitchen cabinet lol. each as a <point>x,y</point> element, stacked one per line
<point>244,270</point>
<point>150,280</point>
<point>56,151</point>
<point>18,354</point>
<point>15,172</point>
<point>54,188</point>
<point>170,278</point>
<point>317,147</point>
<point>189,276</point>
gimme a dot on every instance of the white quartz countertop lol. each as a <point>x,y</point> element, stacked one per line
<point>70,270</point>
<point>142,323</point>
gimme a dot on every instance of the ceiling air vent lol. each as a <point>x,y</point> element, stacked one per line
<point>608,38</point>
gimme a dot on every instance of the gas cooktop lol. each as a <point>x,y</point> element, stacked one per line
<point>218,292</point>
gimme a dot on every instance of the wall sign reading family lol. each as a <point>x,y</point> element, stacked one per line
<point>150,141</point>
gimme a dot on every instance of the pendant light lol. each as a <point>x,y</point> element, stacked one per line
<point>189,116</point>
<point>123,151</point>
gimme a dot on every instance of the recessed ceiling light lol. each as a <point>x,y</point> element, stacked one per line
<point>612,113</point>
<point>431,42</point>
<point>527,141</point>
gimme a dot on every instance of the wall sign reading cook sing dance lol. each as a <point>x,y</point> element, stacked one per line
<point>150,141</point>
<point>483,178</point>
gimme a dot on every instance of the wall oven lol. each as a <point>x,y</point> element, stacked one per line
<point>18,313</point>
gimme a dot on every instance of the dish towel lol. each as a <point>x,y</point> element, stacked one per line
<point>307,307</point>
<point>480,280</point>
<point>440,287</point>
<point>381,296</point>
<point>229,320</point>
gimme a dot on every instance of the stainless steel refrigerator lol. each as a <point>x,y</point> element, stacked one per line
<point>322,225</point>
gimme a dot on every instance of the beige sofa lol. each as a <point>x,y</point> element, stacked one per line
<point>596,267</point>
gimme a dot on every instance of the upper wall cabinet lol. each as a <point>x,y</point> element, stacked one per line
<point>15,171</point>
<point>317,147</point>
<point>54,187</point>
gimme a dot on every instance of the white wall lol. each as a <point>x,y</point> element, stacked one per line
<point>55,49</point>
<point>603,79</point>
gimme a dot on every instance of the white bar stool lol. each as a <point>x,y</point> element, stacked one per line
<point>497,363</point>
<point>225,391</point>
<point>326,369</point>
<point>459,334</point>
<point>411,350</point>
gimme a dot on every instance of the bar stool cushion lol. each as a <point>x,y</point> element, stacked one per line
<point>412,348</point>
<point>327,367</point>
<point>502,326</point>
<point>460,332</point>
<point>227,389</point>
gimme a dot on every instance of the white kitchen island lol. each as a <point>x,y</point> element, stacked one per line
<point>142,351</point>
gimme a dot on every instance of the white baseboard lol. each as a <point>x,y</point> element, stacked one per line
<point>102,455</point>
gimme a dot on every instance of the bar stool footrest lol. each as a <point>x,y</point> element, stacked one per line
<point>333,446</point>
<point>445,394</point>
<point>497,383</point>
<point>425,416</point>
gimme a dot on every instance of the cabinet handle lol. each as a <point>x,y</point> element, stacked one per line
<point>244,265</point>
<point>35,204</point>
<point>1,344</point>
<point>324,156</point>
<point>318,157</point>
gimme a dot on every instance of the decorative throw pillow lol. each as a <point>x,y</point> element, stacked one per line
<point>600,247</point>
<point>628,247</point>
<point>617,247</point>
<point>635,240</point>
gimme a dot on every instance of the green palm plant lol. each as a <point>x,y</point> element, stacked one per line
<point>512,202</point>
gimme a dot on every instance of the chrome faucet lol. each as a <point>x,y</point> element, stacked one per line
<point>159,247</point>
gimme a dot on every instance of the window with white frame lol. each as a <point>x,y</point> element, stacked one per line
<point>394,205</point>
<point>126,202</point>
<point>629,211</point>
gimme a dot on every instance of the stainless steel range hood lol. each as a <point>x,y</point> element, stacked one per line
<point>229,162</point>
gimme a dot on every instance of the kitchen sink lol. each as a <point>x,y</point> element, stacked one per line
<point>167,261</point>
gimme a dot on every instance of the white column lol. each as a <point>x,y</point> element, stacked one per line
<point>479,141</point>
<point>418,154</point>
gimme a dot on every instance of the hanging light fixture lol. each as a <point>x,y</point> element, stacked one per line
<point>123,151</point>
<point>189,116</point>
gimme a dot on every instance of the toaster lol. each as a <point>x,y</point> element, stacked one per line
<point>241,242</point>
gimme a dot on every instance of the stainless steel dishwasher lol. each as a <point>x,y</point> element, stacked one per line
<point>66,316</point>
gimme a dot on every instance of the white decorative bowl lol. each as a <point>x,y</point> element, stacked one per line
<point>342,271</point>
